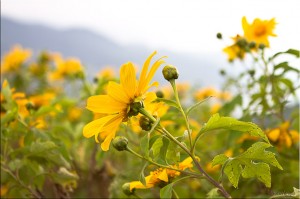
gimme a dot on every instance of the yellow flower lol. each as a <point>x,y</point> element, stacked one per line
<point>234,51</point>
<point>65,68</point>
<point>42,100</point>
<point>215,108</point>
<point>283,136</point>
<point>162,175</point>
<point>107,73</point>
<point>13,59</point>
<point>74,114</point>
<point>206,92</point>
<point>259,30</point>
<point>120,101</point>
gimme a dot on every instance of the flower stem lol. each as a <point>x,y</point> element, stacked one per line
<point>172,82</point>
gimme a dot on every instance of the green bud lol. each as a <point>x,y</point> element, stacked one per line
<point>242,43</point>
<point>159,94</point>
<point>222,72</point>
<point>145,123</point>
<point>251,72</point>
<point>219,35</point>
<point>29,106</point>
<point>126,189</point>
<point>170,72</point>
<point>120,143</point>
<point>261,46</point>
<point>252,45</point>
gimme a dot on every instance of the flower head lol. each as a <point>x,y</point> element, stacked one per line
<point>121,102</point>
<point>259,30</point>
<point>162,176</point>
<point>236,50</point>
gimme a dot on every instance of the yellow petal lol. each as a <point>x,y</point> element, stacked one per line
<point>117,92</point>
<point>104,104</point>
<point>274,134</point>
<point>106,143</point>
<point>295,136</point>
<point>163,176</point>
<point>152,71</point>
<point>144,72</point>
<point>95,126</point>
<point>128,79</point>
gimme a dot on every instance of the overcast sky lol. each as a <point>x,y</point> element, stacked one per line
<point>178,25</point>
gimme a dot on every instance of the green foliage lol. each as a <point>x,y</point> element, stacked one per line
<point>252,163</point>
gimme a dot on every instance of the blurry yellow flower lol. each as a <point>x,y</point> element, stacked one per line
<point>213,169</point>
<point>74,113</point>
<point>42,100</point>
<point>120,102</point>
<point>215,108</point>
<point>65,68</point>
<point>234,51</point>
<point>182,88</point>
<point>206,92</point>
<point>3,190</point>
<point>259,30</point>
<point>107,73</point>
<point>162,175</point>
<point>245,137</point>
<point>13,59</point>
<point>283,136</point>
<point>225,96</point>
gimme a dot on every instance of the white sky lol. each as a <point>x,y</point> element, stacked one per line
<point>178,25</point>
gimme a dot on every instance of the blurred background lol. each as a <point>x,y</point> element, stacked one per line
<point>110,33</point>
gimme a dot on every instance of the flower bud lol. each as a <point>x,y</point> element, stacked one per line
<point>251,72</point>
<point>219,35</point>
<point>261,46</point>
<point>170,72</point>
<point>135,108</point>
<point>29,106</point>
<point>242,43</point>
<point>126,189</point>
<point>252,45</point>
<point>145,123</point>
<point>120,143</point>
<point>159,94</point>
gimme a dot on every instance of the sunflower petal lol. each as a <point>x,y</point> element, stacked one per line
<point>95,126</point>
<point>144,72</point>
<point>128,79</point>
<point>117,92</point>
<point>104,104</point>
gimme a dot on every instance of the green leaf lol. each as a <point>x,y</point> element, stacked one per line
<point>145,145</point>
<point>289,51</point>
<point>190,109</point>
<point>229,106</point>
<point>285,66</point>
<point>164,149</point>
<point>142,175</point>
<point>288,83</point>
<point>166,191</point>
<point>168,102</point>
<point>219,159</point>
<point>216,122</point>
<point>252,163</point>
<point>40,147</point>
<point>214,194</point>
<point>63,176</point>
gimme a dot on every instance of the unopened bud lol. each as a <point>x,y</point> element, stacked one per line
<point>159,94</point>
<point>170,72</point>
<point>252,45</point>
<point>242,43</point>
<point>261,46</point>
<point>29,106</point>
<point>135,108</point>
<point>120,143</point>
<point>126,189</point>
<point>145,123</point>
<point>219,35</point>
<point>251,72</point>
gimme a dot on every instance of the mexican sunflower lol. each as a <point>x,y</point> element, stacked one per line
<point>259,30</point>
<point>162,176</point>
<point>120,102</point>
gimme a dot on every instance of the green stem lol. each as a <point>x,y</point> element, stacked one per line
<point>163,166</point>
<point>172,82</point>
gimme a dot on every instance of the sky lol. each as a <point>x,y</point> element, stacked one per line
<point>177,25</point>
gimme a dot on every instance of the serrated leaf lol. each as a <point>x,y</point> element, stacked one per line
<point>219,159</point>
<point>216,122</point>
<point>166,191</point>
<point>39,147</point>
<point>190,109</point>
<point>168,102</point>
<point>252,163</point>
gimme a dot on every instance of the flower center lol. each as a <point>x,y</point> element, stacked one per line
<point>260,30</point>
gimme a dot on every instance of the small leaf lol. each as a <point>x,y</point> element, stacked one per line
<point>145,145</point>
<point>168,102</point>
<point>164,149</point>
<point>190,109</point>
<point>219,159</point>
<point>166,191</point>
<point>217,122</point>
<point>289,51</point>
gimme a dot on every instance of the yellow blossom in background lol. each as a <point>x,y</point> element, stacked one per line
<point>119,101</point>
<point>107,73</point>
<point>74,113</point>
<point>245,137</point>
<point>215,108</point>
<point>201,94</point>
<point>3,190</point>
<point>283,136</point>
<point>162,175</point>
<point>42,99</point>
<point>234,51</point>
<point>259,30</point>
<point>182,88</point>
<point>65,68</point>
<point>225,96</point>
<point>14,59</point>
